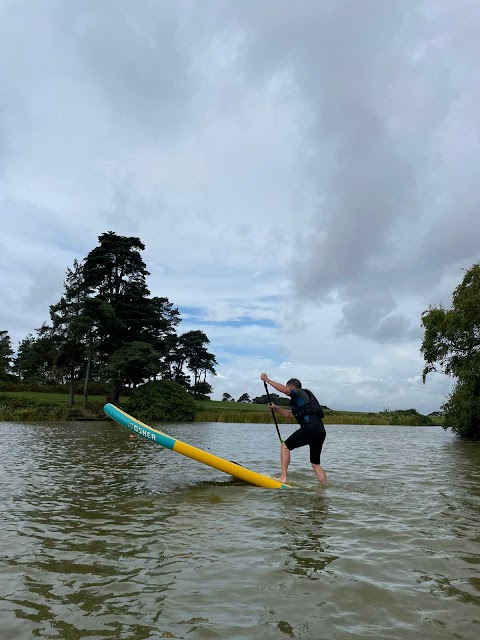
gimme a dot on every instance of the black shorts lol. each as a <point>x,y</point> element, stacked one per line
<point>313,437</point>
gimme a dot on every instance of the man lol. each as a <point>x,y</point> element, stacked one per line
<point>306,409</point>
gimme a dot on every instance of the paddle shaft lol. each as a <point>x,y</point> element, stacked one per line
<point>273,412</point>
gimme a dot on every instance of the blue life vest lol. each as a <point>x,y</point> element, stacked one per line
<point>309,408</point>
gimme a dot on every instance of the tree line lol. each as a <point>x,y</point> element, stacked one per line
<point>245,398</point>
<point>451,345</point>
<point>107,327</point>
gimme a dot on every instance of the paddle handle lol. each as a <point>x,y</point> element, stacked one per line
<point>273,412</point>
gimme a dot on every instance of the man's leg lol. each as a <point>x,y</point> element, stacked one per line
<point>320,473</point>
<point>315,452</point>
<point>284,461</point>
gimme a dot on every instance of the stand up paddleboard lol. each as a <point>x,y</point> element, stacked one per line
<point>233,469</point>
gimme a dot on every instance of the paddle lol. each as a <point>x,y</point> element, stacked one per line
<point>273,412</point>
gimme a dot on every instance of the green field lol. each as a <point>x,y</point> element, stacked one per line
<point>54,398</point>
<point>31,405</point>
<point>219,411</point>
<point>219,405</point>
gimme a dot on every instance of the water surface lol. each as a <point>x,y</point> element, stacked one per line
<point>104,537</point>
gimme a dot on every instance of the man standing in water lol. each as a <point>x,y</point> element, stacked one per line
<point>307,411</point>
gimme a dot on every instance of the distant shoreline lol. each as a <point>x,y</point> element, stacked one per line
<point>20,406</point>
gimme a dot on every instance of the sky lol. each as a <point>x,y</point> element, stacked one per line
<point>304,175</point>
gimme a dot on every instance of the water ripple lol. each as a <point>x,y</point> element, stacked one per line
<point>104,537</point>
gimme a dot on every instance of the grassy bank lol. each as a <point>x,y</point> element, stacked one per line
<point>28,406</point>
<point>216,411</point>
<point>14,407</point>
<point>256,416</point>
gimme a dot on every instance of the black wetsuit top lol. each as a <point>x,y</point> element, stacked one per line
<point>309,414</point>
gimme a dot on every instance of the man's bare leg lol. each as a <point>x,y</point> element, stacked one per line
<point>320,473</point>
<point>284,461</point>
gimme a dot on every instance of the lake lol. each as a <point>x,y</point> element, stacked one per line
<point>105,537</point>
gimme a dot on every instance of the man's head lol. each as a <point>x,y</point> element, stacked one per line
<point>293,383</point>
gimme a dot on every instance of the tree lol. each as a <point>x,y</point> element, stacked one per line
<point>274,397</point>
<point>227,398</point>
<point>161,321</point>
<point>35,360</point>
<point>68,328</point>
<point>193,353</point>
<point>6,354</point>
<point>77,323</point>
<point>163,400</point>
<point>462,409</point>
<point>244,398</point>
<point>115,273</point>
<point>115,268</point>
<point>106,324</point>
<point>201,390</point>
<point>132,363</point>
<point>451,345</point>
<point>97,315</point>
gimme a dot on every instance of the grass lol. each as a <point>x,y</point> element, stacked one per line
<point>54,398</point>
<point>31,405</point>
<point>220,411</point>
<point>255,416</point>
<point>220,405</point>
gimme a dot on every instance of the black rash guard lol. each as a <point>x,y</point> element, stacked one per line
<point>305,407</point>
<point>309,414</point>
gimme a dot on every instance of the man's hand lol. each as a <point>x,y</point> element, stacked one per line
<point>283,412</point>
<point>276,385</point>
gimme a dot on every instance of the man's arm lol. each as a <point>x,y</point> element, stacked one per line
<point>285,412</point>
<point>276,385</point>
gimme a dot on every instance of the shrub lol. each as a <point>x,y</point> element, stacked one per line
<point>407,417</point>
<point>462,409</point>
<point>162,401</point>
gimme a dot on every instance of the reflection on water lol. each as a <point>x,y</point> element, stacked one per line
<point>105,537</point>
<point>306,536</point>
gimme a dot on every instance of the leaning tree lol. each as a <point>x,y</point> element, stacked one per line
<point>451,345</point>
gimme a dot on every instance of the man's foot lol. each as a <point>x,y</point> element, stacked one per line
<point>280,479</point>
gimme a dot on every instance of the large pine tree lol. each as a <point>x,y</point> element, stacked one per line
<point>6,354</point>
<point>116,274</point>
<point>107,326</point>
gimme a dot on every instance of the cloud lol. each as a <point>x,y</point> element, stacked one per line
<point>374,316</point>
<point>389,90</point>
<point>303,175</point>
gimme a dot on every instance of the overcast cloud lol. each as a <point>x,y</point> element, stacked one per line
<point>303,174</point>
